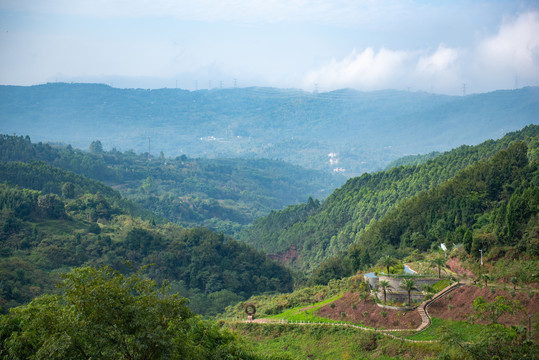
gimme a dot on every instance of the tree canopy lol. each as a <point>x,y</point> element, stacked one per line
<point>103,314</point>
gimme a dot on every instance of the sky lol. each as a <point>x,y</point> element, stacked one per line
<point>445,46</point>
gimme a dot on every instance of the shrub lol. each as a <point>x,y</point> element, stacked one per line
<point>368,340</point>
<point>383,313</point>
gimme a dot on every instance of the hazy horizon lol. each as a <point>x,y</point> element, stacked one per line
<point>444,47</point>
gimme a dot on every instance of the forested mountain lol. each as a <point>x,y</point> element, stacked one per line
<point>363,131</point>
<point>223,194</point>
<point>68,220</point>
<point>491,206</point>
<point>319,231</point>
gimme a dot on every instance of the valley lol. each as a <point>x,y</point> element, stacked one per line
<point>212,236</point>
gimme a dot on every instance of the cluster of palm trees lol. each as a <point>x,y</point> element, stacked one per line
<point>407,284</point>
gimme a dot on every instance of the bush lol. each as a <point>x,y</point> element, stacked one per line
<point>106,315</point>
<point>368,340</point>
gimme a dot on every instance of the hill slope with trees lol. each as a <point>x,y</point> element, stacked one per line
<point>222,194</point>
<point>491,206</point>
<point>319,231</point>
<point>44,234</point>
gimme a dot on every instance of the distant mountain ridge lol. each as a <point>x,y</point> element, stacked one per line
<point>364,131</point>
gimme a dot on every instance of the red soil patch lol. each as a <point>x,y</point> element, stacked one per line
<point>367,313</point>
<point>462,304</point>
<point>454,265</point>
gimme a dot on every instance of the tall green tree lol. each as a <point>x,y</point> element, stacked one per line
<point>96,147</point>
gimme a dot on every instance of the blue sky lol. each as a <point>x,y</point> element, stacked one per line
<point>434,46</point>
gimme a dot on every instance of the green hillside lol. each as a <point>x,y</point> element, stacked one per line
<point>491,206</point>
<point>366,129</point>
<point>222,194</point>
<point>78,222</point>
<point>320,231</point>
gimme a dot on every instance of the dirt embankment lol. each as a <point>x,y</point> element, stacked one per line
<point>458,305</point>
<point>367,313</point>
<point>288,256</point>
<point>454,265</point>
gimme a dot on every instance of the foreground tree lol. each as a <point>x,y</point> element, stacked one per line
<point>105,315</point>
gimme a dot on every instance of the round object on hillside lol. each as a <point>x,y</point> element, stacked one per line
<point>250,309</point>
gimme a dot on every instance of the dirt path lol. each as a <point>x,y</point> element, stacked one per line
<point>421,310</point>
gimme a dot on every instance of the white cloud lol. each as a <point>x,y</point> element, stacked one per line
<point>492,63</point>
<point>441,60</point>
<point>367,70</point>
<point>513,51</point>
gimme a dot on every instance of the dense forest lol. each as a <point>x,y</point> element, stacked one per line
<point>319,231</point>
<point>46,229</point>
<point>490,206</point>
<point>222,194</point>
<point>366,130</point>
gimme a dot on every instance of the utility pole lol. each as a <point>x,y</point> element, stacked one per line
<point>481,251</point>
<point>463,89</point>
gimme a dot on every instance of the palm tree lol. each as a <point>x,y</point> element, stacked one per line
<point>384,284</point>
<point>387,261</point>
<point>440,262</point>
<point>409,285</point>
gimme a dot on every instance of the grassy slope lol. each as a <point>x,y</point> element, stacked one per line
<point>330,342</point>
